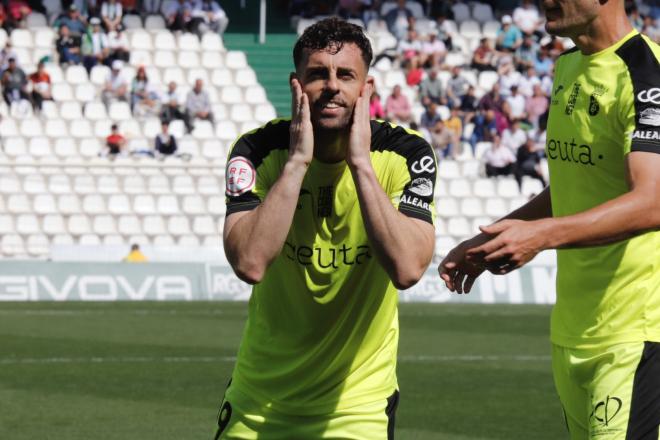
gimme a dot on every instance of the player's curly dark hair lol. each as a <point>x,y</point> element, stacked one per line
<point>331,34</point>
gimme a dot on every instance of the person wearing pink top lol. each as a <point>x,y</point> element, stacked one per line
<point>536,105</point>
<point>397,106</point>
<point>375,107</point>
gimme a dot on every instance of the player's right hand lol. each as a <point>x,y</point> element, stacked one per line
<point>457,271</point>
<point>301,134</point>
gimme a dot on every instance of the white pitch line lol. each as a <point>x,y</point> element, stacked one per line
<point>213,359</point>
<point>73,312</point>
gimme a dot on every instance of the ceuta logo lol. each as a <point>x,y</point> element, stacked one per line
<point>605,410</point>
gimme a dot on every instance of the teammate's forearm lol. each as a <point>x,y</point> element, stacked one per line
<point>618,219</point>
<point>257,238</point>
<point>400,243</point>
<point>537,208</point>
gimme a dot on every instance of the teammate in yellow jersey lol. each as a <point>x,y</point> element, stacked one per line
<point>602,214</point>
<point>328,213</point>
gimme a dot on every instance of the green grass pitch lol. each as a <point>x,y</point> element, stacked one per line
<point>157,371</point>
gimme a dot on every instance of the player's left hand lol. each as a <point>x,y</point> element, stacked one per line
<point>514,244</point>
<point>360,136</point>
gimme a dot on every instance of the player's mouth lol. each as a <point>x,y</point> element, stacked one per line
<point>331,108</point>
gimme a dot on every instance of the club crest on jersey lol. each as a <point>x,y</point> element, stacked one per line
<point>422,186</point>
<point>241,176</point>
<point>594,105</point>
<point>650,116</point>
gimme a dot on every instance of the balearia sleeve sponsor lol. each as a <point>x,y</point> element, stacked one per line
<point>417,197</point>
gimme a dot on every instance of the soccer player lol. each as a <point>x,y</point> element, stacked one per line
<point>602,214</point>
<point>328,213</point>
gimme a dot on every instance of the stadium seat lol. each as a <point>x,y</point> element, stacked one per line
<point>213,149</point>
<point>113,240</point>
<point>203,130</point>
<point>19,204</point>
<point>129,225</point>
<point>31,127</point>
<point>159,185</point>
<point>496,207</point>
<point>163,240</point>
<point>482,12</point>
<point>226,131</point>
<point>204,225</point>
<point>76,74</point>
<point>484,187</point>
<point>68,204</point>
<point>213,241</point>
<point>178,225</point>
<point>44,204</point>
<point>141,41</point>
<point>102,128</point>
<point>27,224</point>
<point>488,79</point>
<point>38,245</point>
<point>144,204</point>
<point>99,74</point>
<point>104,225</point>
<point>490,29</point>
<point>62,240</point>
<point>212,60</point>
<point>168,204</point>
<point>444,244</point>
<point>95,111</point>
<point>6,224</point>
<point>458,227</point>
<point>84,184</point>
<point>264,113</point>
<point>481,148</point>
<point>471,207</point>
<point>507,187</point>
<point>231,95</point>
<point>131,21</point>
<point>94,204</point>
<point>54,224</point>
<point>35,184</point>
<point>119,111</point>
<point>154,22</point>
<point>393,78</point>
<point>236,60</point>
<point>164,40</point>
<point>460,188</point>
<point>470,29</point>
<point>461,12</point>
<point>59,184</point>
<point>188,240</point>
<point>470,168</point>
<point>517,203</point>
<point>211,42</point>
<point>15,146</point>
<point>189,59</point>
<point>447,207</point>
<point>198,73</point>
<point>119,204</point>
<point>188,42</point>
<point>531,186</point>
<point>12,244</point>
<point>193,205</point>
<point>208,185</point>
<point>222,77</point>
<point>241,113</point>
<point>108,184</point>
<point>448,169</point>
<point>164,59</point>
<point>216,205</point>
<point>40,147</point>
<point>183,185</point>
<point>21,38</point>
<point>246,77</point>
<point>89,240</point>
<point>44,38</point>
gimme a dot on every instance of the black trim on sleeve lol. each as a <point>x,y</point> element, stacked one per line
<point>644,419</point>
<point>644,71</point>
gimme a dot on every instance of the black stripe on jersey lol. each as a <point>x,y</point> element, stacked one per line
<point>390,412</point>
<point>644,72</point>
<point>644,419</point>
<point>417,195</point>
<point>255,146</point>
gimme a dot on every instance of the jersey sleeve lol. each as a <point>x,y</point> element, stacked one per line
<point>249,173</point>
<point>640,104</point>
<point>414,179</point>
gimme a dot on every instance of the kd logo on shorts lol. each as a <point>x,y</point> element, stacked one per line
<point>605,411</point>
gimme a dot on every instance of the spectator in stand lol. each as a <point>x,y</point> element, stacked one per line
<point>485,128</point>
<point>409,49</point>
<point>171,107</point>
<point>6,53</point>
<point>456,87</point>
<point>500,161</point>
<point>414,73</point>
<point>514,137</point>
<point>207,16</point>
<point>95,46</point>
<point>433,51</point>
<point>527,18</point>
<point>517,105</point>
<point>397,19</point>
<point>87,8</point>
<point>528,81</point>
<point>543,64</point>
<point>442,139</point>
<point>492,100</point>
<point>444,30</point>
<point>635,18</point>
<point>41,89</point>
<point>115,143</point>
<point>650,29</point>
<point>397,106</point>
<point>116,86</point>
<point>14,83</point>
<point>118,42</point>
<point>76,24</point>
<point>431,90</point>
<point>111,14</point>
<point>135,255</point>
<point>455,126</point>
<point>536,106</point>
<point>198,104</point>
<point>525,55</point>
<point>528,163</point>
<point>179,16</point>
<point>375,107</point>
<point>468,105</point>
<point>165,143</point>
<point>68,47</point>
<point>350,9</point>
<point>17,12</point>
<point>509,76</point>
<point>429,118</point>
<point>144,100</point>
<point>485,57</point>
<point>509,37</point>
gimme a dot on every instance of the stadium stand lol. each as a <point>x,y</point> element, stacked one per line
<point>58,189</point>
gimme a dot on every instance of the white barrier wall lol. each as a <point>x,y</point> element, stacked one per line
<point>69,281</point>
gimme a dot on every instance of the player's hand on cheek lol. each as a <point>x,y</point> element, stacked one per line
<point>515,244</point>
<point>301,133</point>
<point>360,137</point>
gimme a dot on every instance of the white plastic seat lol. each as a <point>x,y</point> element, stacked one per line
<point>131,21</point>
<point>216,205</point>
<point>129,225</point>
<point>200,73</point>
<point>7,224</point>
<point>141,58</point>
<point>95,111</point>
<point>178,225</point>
<point>76,74</point>
<point>119,111</point>
<point>490,28</point>
<point>164,59</point>
<point>27,224</point>
<point>31,127</point>
<point>19,204</point>
<point>241,113</point>
<point>264,113</point>
<point>188,42</point>
<point>134,185</point>
<point>507,187</point>
<point>213,149</point>
<point>154,22</point>
<point>459,227</point>
<point>21,38</point>
<point>59,184</point>
<point>235,59</point>
<point>89,240</point>
<point>144,204</point>
<point>153,225</point>
<point>104,225</point>
<point>448,169</point>
<point>495,207</point>
<point>163,240</point>
<point>119,204</point>
<point>159,185</point>
<point>56,129</point>
<point>113,240</point>
<point>203,129</point>
<point>62,240</point>
<point>222,77</point>
<point>484,188</point>
<point>188,240</point>
<point>44,204</point>
<point>44,38</point>
<point>188,59</point>
<point>12,244</point>
<point>470,168</point>
<point>208,185</point>
<point>164,40</point>
<point>204,225</point>
<point>84,184</point>
<point>246,77</point>
<point>193,205</point>
<point>108,184</point>
<point>255,94</point>
<point>168,204</point>
<point>94,204</point>
<point>482,12</point>
<point>395,78</point>
<point>69,204</point>
<point>212,60</point>
<point>89,146</point>
<point>471,207</point>
<point>40,147</point>
<point>141,40</point>
<point>38,245</point>
<point>99,74</point>
<point>15,146</point>
<point>54,224</point>
<point>517,202</point>
<point>62,92</point>
<point>211,42</point>
<point>470,29</point>
<point>531,186</point>
<point>460,188</point>
<point>183,185</point>
<point>70,111</point>
<point>461,12</point>
<point>35,184</point>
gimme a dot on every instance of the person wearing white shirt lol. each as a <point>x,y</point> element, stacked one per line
<point>509,76</point>
<point>96,48</point>
<point>207,15</point>
<point>433,50</point>
<point>514,137</point>
<point>517,103</point>
<point>111,13</point>
<point>116,86</point>
<point>528,81</point>
<point>118,43</point>
<point>527,18</point>
<point>499,160</point>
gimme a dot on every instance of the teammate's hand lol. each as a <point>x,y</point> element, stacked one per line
<point>301,133</point>
<point>457,270</point>
<point>359,145</point>
<point>515,243</point>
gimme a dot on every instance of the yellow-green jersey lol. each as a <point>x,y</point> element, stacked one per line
<point>322,329</point>
<point>603,107</point>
